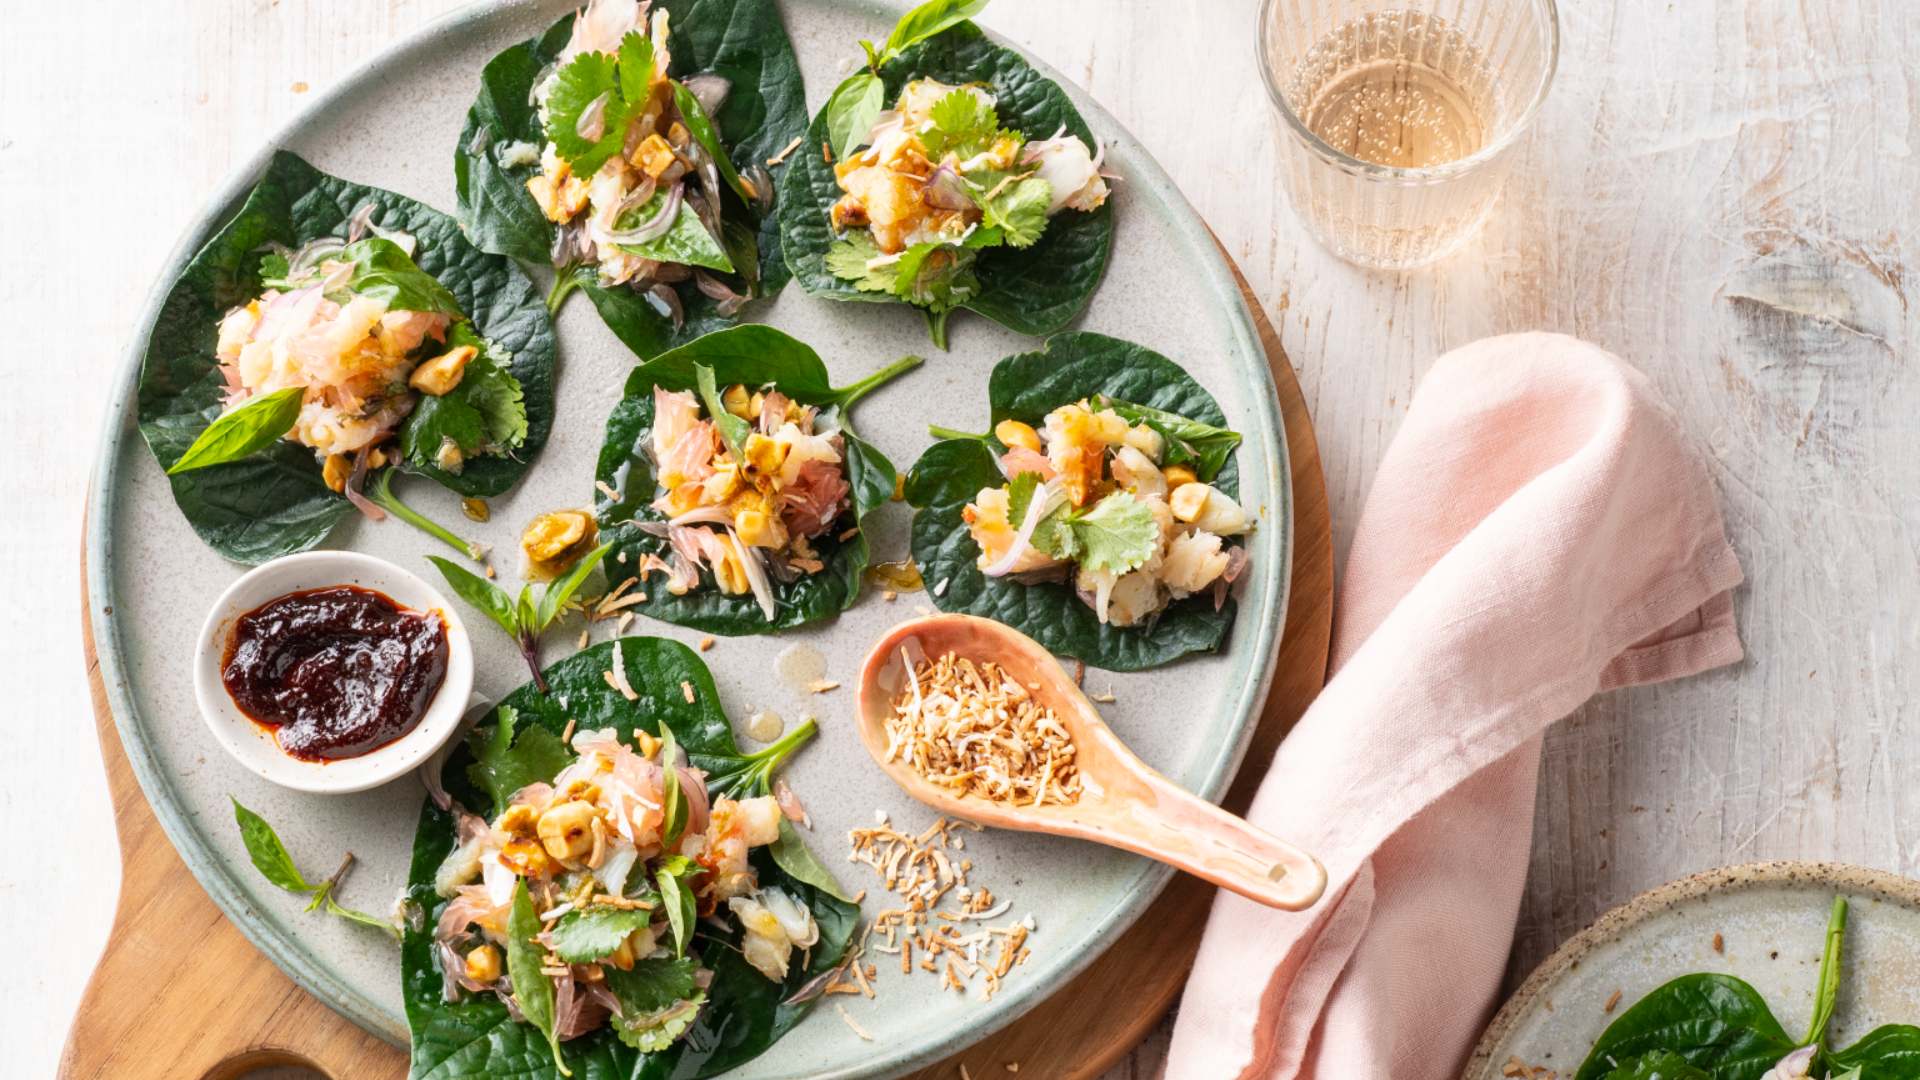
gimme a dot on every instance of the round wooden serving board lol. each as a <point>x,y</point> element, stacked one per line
<point>179,993</point>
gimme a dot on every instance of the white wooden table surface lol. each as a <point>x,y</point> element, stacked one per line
<point>1723,191</point>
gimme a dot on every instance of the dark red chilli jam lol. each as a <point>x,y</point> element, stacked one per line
<point>335,672</point>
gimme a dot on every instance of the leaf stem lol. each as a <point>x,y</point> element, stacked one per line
<point>530,649</point>
<point>1829,986</point>
<point>381,492</point>
<point>769,759</point>
<point>937,328</point>
<point>856,391</point>
<point>939,432</point>
<point>563,283</point>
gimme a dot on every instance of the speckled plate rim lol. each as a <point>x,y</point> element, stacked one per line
<point>1615,924</point>
<point>1253,661</point>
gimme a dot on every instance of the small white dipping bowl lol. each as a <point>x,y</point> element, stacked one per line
<point>253,745</point>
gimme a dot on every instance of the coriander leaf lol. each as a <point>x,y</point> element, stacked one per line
<point>732,429</point>
<point>254,425</point>
<point>532,989</point>
<point>851,112</point>
<point>964,124</point>
<point>1018,209</point>
<point>636,61</point>
<point>491,599</point>
<point>485,413</point>
<point>555,598</point>
<point>850,259</point>
<point>678,899</point>
<point>581,937</point>
<point>702,130</point>
<point>686,241</point>
<point>1188,442</point>
<point>673,810</point>
<point>268,854</point>
<point>659,999</point>
<point>1118,534</point>
<point>1053,534</point>
<point>791,854</point>
<point>929,19</point>
<point>382,270</point>
<point>504,762</point>
<point>588,78</point>
<point>274,270</point>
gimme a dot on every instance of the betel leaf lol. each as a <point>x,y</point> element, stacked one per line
<point>1890,1052</point>
<point>246,429</point>
<point>274,502</point>
<point>745,1012</point>
<point>755,356</point>
<point>532,989</point>
<point>583,936</point>
<point>1659,1065</point>
<point>742,41</point>
<point>1032,290</point>
<point>1716,1023</point>
<point>951,473</point>
<point>1203,447</point>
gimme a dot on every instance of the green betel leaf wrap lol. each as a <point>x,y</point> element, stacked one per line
<point>745,1012</point>
<point>1033,290</point>
<point>951,473</point>
<point>755,356</point>
<point>742,41</point>
<point>274,502</point>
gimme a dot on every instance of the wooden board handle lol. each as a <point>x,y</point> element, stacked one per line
<point>179,993</point>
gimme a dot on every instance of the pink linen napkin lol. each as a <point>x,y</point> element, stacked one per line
<point>1539,530</point>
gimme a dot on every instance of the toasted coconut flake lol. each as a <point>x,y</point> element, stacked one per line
<point>776,159</point>
<point>848,1017</point>
<point>977,731</point>
<point>607,490</point>
<point>617,676</point>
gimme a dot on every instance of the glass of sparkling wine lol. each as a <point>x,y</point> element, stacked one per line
<point>1398,118</point>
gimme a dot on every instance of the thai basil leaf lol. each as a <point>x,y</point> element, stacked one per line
<point>1716,1023</point>
<point>254,425</point>
<point>583,936</point>
<point>765,110</point>
<point>554,599</point>
<point>673,801</point>
<point>1891,1052</point>
<point>268,854</point>
<point>382,270</point>
<point>1188,442</point>
<point>274,502</point>
<point>659,999</point>
<point>532,989</point>
<point>745,1012</point>
<point>951,473</point>
<point>929,19</point>
<point>754,356</point>
<point>491,600</point>
<point>1032,290</point>
<point>700,126</point>
<point>851,111</point>
<point>503,764</point>
<point>733,430</point>
<point>677,898</point>
<point>687,241</point>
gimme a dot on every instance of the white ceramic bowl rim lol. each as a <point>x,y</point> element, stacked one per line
<point>254,747</point>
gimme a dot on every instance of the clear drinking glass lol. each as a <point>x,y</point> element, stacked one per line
<point>1398,117</point>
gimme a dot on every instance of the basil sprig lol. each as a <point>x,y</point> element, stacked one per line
<point>271,858</point>
<point>858,102</point>
<point>522,617</point>
<point>244,430</point>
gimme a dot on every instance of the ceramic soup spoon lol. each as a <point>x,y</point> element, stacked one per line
<point>1123,802</point>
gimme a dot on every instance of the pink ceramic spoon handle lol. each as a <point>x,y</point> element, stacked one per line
<point>1186,831</point>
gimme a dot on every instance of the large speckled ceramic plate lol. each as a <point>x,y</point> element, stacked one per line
<point>1771,919</point>
<point>394,124</point>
